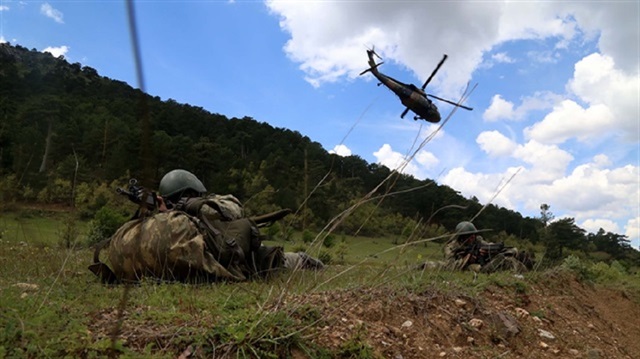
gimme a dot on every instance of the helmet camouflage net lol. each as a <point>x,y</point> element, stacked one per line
<point>178,181</point>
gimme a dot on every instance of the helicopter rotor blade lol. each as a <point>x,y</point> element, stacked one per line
<point>444,58</point>
<point>404,112</point>
<point>451,102</point>
<point>373,51</point>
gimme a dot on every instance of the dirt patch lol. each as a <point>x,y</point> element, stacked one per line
<point>559,319</point>
<point>555,318</point>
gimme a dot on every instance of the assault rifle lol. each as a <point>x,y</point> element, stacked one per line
<point>139,195</point>
<point>480,253</point>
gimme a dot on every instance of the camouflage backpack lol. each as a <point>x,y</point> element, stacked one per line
<point>202,239</point>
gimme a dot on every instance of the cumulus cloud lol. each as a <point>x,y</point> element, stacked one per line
<point>48,11</point>
<point>328,38</point>
<point>594,225</point>
<point>632,230</point>
<point>2,39</point>
<point>341,150</point>
<point>495,144</point>
<point>548,162</point>
<point>569,120</point>
<point>597,82</point>
<point>611,99</point>
<point>499,109</point>
<point>422,161</point>
<point>502,109</point>
<point>56,51</point>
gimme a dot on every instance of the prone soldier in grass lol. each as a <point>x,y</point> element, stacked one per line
<point>467,250</point>
<point>185,235</point>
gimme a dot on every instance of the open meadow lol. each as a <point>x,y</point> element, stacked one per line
<point>370,302</point>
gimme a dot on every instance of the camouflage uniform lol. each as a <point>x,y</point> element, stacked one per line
<point>167,246</point>
<point>506,260</point>
<point>463,262</point>
<point>219,243</point>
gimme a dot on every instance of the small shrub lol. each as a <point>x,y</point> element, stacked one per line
<point>329,241</point>
<point>104,225</point>
<point>341,251</point>
<point>69,232</point>
<point>574,264</point>
<point>307,236</point>
<point>603,272</point>
<point>273,231</point>
<point>299,248</point>
<point>325,257</point>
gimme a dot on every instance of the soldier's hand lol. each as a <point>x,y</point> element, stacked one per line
<point>162,207</point>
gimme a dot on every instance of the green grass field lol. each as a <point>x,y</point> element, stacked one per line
<point>52,306</point>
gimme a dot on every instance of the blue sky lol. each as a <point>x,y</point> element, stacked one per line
<point>557,100</point>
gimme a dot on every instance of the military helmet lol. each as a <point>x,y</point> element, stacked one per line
<point>178,181</point>
<point>466,227</point>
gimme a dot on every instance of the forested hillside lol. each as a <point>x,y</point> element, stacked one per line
<point>69,136</point>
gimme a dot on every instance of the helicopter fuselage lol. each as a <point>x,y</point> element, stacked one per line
<point>410,96</point>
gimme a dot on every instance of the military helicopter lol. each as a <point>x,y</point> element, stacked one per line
<point>415,99</point>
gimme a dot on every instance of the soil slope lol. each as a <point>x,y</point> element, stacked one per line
<point>561,318</point>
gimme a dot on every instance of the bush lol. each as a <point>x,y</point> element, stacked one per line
<point>58,191</point>
<point>8,189</point>
<point>104,224</point>
<point>307,236</point>
<point>69,231</point>
<point>329,241</point>
<point>325,257</point>
<point>574,264</point>
<point>604,273</point>
<point>273,231</point>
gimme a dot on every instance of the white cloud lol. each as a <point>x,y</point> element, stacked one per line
<point>498,110</point>
<point>328,38</point>
<point>594,225</point>
<point>483,186</point>
<point>495,144</point>
<point>48,11</point>
<point>426,159</point>
<point>612,105</point>
<point>502,57</point>
<point>597,82</point>
<point>568,120</point>
<point>2,39</point>
<point>4,8</point>
<point>501,109</point>
<point>422,161</point>
<point>56,51</point>
<point>341,150</point>
<point>548,162</point>
<point>596,196</point>
<point>632,230</point>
